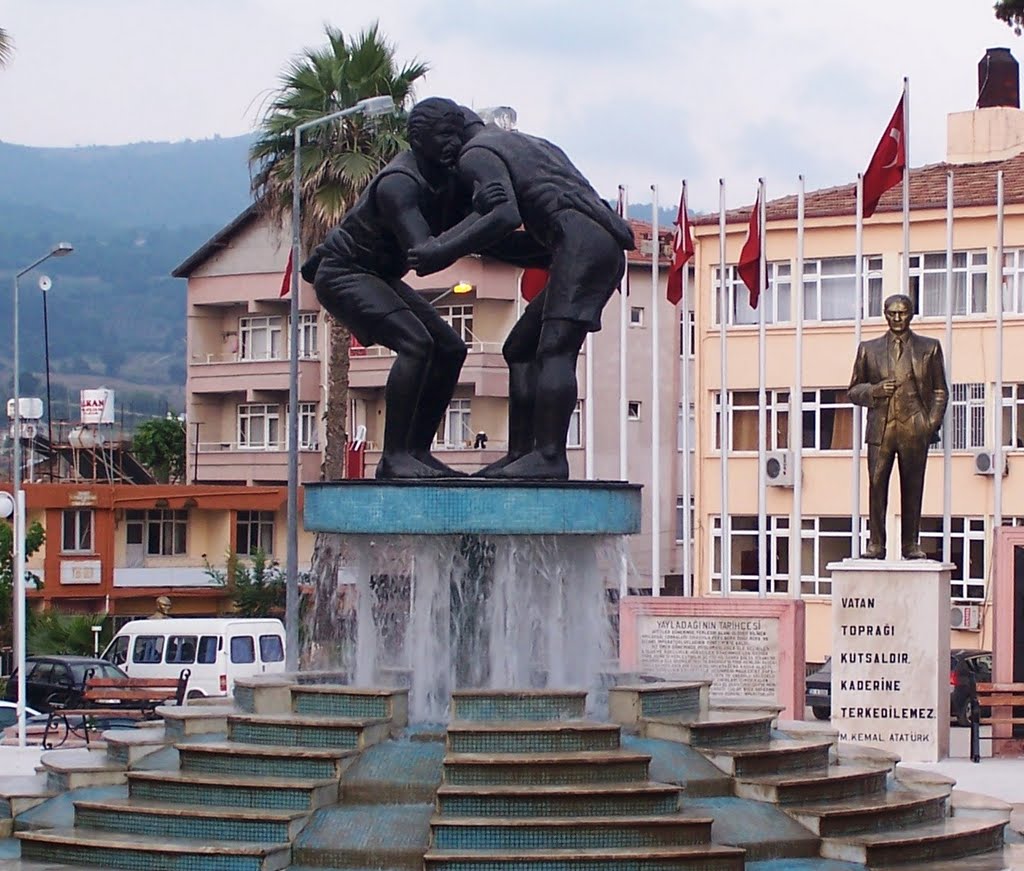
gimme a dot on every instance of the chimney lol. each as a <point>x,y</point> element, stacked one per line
<point>998,80</point>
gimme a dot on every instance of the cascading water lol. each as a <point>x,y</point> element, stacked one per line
<point>444,612</point>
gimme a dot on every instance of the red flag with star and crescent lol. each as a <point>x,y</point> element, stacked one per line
<point>889,161</point>
<point>682,251</point>
<point>286,280</point>
<point>750,255</point>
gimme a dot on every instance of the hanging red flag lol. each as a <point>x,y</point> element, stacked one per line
<point>286,281</point>
<point>682,251</point>
<point>533,282</point>
<point>750,256</point>
<point>888,163</point>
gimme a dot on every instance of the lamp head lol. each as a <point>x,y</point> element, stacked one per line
<point>462,287</point>
<point>61,249</point>
<point>383,105</point>
<point>6,504</point>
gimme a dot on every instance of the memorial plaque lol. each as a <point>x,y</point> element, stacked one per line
<point>890,656</point>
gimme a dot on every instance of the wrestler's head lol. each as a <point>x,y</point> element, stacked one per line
<point>436,129</point>
<point>899,312</point>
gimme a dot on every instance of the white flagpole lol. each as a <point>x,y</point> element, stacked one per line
<point>947,429</point>
<point>725,414</point>
<point>997,520</point>
<point>762,400</point>
<point>796,412</point>
<point>906,187</point>
<point>588,411</point>
<point>857,321</point>
<point>623,400</point>
<point>655,403</point>
<point>684,436</point>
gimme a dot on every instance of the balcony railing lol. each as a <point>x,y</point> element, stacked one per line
<point>271,447</point>
<point>233,357</point>
<point>381,351</point>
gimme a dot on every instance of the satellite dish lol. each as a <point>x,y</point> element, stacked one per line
<point>45,282</point>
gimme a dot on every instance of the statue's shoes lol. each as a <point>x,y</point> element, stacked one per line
<point>874,551</point>
<point>914,552</point>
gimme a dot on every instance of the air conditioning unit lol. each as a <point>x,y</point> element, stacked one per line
<point>965,617</point>
<point>985,463</point>
<point>778,468</point>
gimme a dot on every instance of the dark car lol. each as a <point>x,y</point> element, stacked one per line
<point>57,679</point>
<point>966,669</point>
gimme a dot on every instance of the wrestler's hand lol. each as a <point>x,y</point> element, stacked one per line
<point>428,258</point>
<point>489,196</point>
<point>884,389</point>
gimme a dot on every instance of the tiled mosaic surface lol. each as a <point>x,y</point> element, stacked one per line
<point>575,837</point>
<point>340,705</point>
<point>567,707</point>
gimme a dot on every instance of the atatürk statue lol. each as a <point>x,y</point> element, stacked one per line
<point>901,380</point>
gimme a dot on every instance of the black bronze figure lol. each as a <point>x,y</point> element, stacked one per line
<point>901,379</point>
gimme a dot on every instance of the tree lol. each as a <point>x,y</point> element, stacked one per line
<point>6,48</point>
<point>34,539</point>
<point>159,444</point>
<point>1012,12</point>
<point>257,589</point>
<point>338,160</point>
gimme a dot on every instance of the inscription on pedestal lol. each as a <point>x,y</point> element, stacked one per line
<point>739,654</point>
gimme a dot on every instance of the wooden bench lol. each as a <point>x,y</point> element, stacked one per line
<point>105,698</point>
<point>1000,699</point>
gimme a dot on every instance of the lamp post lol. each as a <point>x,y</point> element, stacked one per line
<point>61,249</point>
<point>371,106</point>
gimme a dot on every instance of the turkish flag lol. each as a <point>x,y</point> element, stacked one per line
<point>750,256</point>
<point>888,163</point>
<point>286,282</point>
<point>534,280</point>
<point>682,251</point>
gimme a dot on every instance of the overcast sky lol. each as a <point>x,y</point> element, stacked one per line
<point>641,92</point>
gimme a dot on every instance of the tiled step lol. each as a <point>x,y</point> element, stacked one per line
<point>568,736</point>
<point>334,700</point>
<point>601,800</point>
<point>540,769</point>
<point>570,833</point>
<point>181,723</point>
<point>948,839</point>
<point>887,811</point>
<point>22,792</point>
<point>125,747</point>
<point>108,849</point>
<point>775,756</point>
<point>705,857</point>
<point>710,729</point>
<point>164,820</point>
<point>629,704</point>
<point>74,769</point>
<point>837,783</point>
<point>264,760</point>
<point>519,704</point>
<point>301,731</point>
<point>189,787</point>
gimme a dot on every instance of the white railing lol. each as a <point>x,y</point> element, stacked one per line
<point>230,357</point>
<point>381,351</point>
<point>272,447</point>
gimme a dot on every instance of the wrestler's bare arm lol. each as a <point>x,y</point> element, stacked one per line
<point>398,198</point>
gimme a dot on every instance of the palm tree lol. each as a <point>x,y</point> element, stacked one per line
<point>6,48</point>
<point>338,160</point>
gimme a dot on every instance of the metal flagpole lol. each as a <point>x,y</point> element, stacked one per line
<point>684,435</point>
<point>796,413</point>
<point>762,399</point>
<point>905,279</point>
<point>655,403</point>
<point>588,411</point>
<point>947,429</point>
<point>858,318</point>
<point>623,401</point>
<point>725,416</point>
<point>997,520</point>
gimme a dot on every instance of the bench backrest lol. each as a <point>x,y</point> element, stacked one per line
<point>136,690</point>
<point>1000,694</point>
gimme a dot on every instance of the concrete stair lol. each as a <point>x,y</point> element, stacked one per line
<point>947,839</point>
<point>711,728</point>
<point>576,800</point>
<point>519,705</point>
<point>292,730</point>
<point>706,857</point>
<point>546,769</point>
<point>192,788</point>
<point>835,783</point>
<point>526,736</point>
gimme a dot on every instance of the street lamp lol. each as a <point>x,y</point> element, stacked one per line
<point>61,249</point>
<point>370,107</point>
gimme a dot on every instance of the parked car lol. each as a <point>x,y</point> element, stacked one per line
<point>57,679</point>
<point>9,713</point>
<point>966,669</point>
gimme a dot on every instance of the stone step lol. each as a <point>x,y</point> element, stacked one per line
<point>837,783</point>
<point>706,857</point>
<point>265,760</point>
<point>566,736</point>
<point>519,704</point>
<point>711,728</point>
<point>73,769</point>
<point>128,746</point>
<point>948,839</point>
<point>336,700</point>
<point>111,850</point>
<point>165,820</point>
<point>597,800</point>
<point>183,722</point>
<point>23,792</point>
<point>775,756</point>
<point>629,704</point>
<point>539,769</point>
<point>895,809</point>
<point>569,833</point>
<point>294,730</point>
<point>192,788</point>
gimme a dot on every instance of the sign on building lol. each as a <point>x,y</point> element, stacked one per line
<point>97,405</point>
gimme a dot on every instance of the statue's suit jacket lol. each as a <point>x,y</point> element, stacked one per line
<point>873,365</point>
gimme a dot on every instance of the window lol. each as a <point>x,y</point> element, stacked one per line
<point>744,563</point>
<point>1013,415</point>
<point>825,540</point>
<point>636,316</point>
<point>827,420</point>
<point>254,530</point>
<point>970,283</point>
<point>181,649</point>
<point>456,429</point>
<point>691,424</point>
<point>573,438</point>
<point>1013,278</point>
<point>679,519</point>
<point>208,646</point>
<point>243,649</point>
<point>163,530</point>
<point>687,331</point>
<point>119,652</point>
<point>259,427</point>
<point>76,530</point>
<point>460,319</point>
<point>967,414</point>
<point>308,335</point>
<point>271,648</point>
<point>830,288</point>
<point>632,410</point>
<point>148,648</point>
<point>262,338</point>
<point>744,420</point>
<point>967,553</point>
<point>309,427</point>
<point>776,297</point>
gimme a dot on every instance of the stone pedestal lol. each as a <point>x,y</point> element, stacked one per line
<point>890,656</point>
